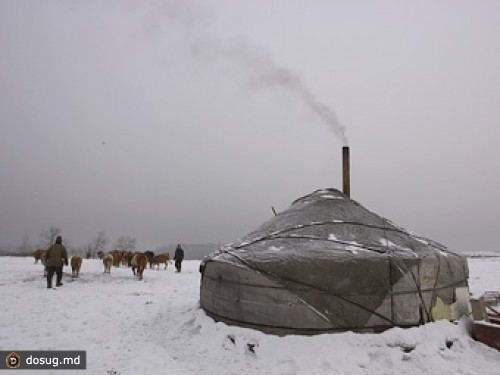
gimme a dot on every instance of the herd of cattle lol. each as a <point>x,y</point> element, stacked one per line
<point>138,261</point>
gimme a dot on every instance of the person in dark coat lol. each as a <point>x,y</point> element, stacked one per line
<point>56,255</point>
<point>178,257</point>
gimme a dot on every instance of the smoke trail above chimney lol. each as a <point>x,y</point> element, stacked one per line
<point>264,72</point>
<point>274,75</point>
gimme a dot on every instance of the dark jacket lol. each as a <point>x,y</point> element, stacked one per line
<point>179,254</point>
<point>56,254</point>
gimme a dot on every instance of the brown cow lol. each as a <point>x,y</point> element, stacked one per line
<point>160,259</point>
<point>117,257</point>
<point>107,260</point>
<point>76,264</point>
<point>139,261</point>
<point>38,254</point>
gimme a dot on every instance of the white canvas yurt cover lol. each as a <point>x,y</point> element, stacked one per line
<point>329,264</point>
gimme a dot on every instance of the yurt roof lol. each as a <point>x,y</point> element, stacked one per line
<point>329,223</point>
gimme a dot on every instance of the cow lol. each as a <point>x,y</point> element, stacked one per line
<point>38,254</point>
<point>150,255</point>
<point>43,259</point>
<point>130,255</point>
<point>139,261</point>
<point>107,260</point>
<point>76,264</point>
<point>117,257</point>
<point>126,258</point>
<point>161,259</point>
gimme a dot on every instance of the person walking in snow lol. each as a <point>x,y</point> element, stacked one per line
<point>56,255</point>
<point>178,257</point>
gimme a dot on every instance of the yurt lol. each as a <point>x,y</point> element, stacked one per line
<point>328,264</point>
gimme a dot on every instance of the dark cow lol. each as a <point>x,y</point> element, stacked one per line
<point>150,255</point>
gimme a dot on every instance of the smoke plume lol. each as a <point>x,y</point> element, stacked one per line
<point>266,73</point>
<point>259,66</point>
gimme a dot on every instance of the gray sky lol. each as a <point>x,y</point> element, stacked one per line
<point>185,121</point>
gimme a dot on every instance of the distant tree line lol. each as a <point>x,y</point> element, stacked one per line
<point>100,243</point>
<point>48,236</point>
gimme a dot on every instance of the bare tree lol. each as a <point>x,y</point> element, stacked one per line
<point>97,244</point>
<point>48,236</point>
<point>125,243</point>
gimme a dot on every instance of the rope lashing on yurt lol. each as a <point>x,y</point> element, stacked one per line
<point>396,261</point>
<point>280,279</point>
<point>435,281</point>
<point>278,234</point>
<point>402,267</point>
<point>391,283</point>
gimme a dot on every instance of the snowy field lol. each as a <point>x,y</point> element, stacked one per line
<point>155,326</point>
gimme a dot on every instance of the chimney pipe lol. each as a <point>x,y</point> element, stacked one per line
<point>346,171</point>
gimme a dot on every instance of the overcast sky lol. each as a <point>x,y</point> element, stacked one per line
<point>186,121</point>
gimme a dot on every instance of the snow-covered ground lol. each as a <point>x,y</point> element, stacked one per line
<point>156,326</point>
